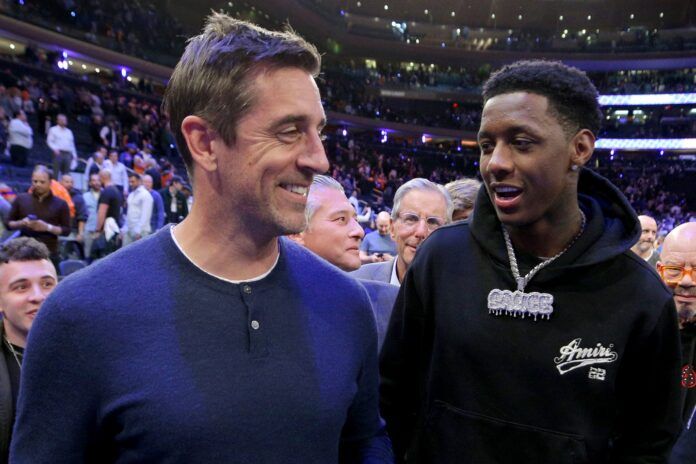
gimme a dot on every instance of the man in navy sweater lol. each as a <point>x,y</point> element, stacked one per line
<point>239,346</point>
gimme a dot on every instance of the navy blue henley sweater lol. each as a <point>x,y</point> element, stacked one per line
<point>143,357</point>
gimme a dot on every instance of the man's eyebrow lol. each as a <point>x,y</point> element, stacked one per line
<point>294,118</point>
<point>516,129</point>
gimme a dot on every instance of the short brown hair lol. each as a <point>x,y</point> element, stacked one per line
<point>23,249</point>
<point>213,79</point>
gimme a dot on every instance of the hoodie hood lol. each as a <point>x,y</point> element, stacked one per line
<point>611,229</point>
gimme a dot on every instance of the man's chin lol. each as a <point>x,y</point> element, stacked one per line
<point>687,314</point>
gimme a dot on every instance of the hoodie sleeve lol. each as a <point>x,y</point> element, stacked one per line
<point>650,412</point>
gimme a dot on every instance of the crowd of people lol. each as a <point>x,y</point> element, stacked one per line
<point>305,363</point>
<point>135,27</point>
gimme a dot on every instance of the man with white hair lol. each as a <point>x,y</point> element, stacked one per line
<point>463,193</point>
<point>333,233</point>
<point>420,207</point>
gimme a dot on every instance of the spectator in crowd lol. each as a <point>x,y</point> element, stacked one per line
<point>20,139</point>
<point>175,205</point>
<point>645,246</point>
<point>91,201</point>
<point>106,234</point>
<point>332,230</point>
<point>157,217</point>
<point>378,245</point>
<point>420,207</point>
<point>40,214</point>
<point>77,221</point>
<point>95,163</point>
<point>153,171</point>
<point>676,267</point>
<point>109,134</point>
<point>119,172</point>
<point>61,141</point>
<point>27,276</point>
<point>463,193</point>
<point>549,242</point>
<point>138,212</point>
<point>305,351</point>
<point>333,233</point>
<point>187,191</point>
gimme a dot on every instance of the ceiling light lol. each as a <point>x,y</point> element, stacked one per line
<point>386,7</point>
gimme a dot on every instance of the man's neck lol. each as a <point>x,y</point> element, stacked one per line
<point>547,238</point>
<point>15,338</point>
<point>43,196</point>
<point>229,251</point>
<point>401,268</point>
<point>643,254</point>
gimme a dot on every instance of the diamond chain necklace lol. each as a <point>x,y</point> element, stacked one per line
<point>523,281</point>
<point>518,303</point>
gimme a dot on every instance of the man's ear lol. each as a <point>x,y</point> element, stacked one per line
<point>391,229</point>
<point>200,138</point>
<point>582,147</point>
<point>298,238</point>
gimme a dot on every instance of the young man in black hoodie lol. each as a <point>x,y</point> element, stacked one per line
<point>533,334</point>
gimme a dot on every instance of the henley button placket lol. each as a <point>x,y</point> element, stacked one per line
<point>257,339</point>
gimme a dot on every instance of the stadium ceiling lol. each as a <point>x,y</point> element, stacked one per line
<point>531,15</point>
<point>537,15</point>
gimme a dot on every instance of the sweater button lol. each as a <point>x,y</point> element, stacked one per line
<point>255,325</point>
<point>246,289</point>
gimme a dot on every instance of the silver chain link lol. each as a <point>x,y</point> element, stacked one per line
<point>522,281</point>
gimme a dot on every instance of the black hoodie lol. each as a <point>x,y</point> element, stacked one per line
<point>460,385</point>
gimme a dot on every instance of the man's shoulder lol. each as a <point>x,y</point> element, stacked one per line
<point>315,272</point>
<point>379,290</point>
<point>120,272</point>
<point>375,271</point>
<point>374,235</point>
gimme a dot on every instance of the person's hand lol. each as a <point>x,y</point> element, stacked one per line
<point>79,238</point>
<point>95,235</point>
<point>386,256</point>
<point>38,225</point>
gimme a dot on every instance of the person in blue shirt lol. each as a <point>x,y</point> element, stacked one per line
<point>215,340</point>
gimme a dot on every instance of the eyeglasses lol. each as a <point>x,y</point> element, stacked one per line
<point>412,220</point>
<point>672,275</point>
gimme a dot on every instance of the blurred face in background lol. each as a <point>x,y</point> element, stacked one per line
<point>333,231</point>
<point>420,212</point>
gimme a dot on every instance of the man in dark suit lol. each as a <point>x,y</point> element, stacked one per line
<point>175,207</point>
<point>333,233</point>
<point>27,276</point>
<point>420,207</point>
